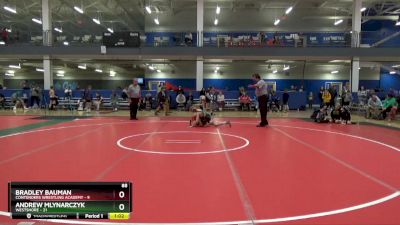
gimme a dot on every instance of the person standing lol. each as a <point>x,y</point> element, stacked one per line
<point>310,99</point>
<point>285,101</point>
<point>134,95</point>
<point>261,93</point>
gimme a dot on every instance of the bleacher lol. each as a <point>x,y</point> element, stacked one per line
<point>296,100</point>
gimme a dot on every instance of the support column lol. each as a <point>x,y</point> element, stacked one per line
<point>199,74</point>
<point>356,24</point>
<point>355,75</point>
<point>200,22</point>
<point>48,73</point>
<point>46,23</point>
<point>2,79</point>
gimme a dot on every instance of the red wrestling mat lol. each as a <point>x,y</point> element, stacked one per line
<point>293,172</point>
<point>16,121</point>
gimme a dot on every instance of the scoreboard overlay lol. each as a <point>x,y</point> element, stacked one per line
<point>70,200</point>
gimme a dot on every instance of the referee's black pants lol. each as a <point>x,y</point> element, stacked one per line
<point>134,107</point>
<point>262,105</point>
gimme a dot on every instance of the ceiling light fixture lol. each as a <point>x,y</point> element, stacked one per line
<point>10,9</point>
<point>275,71</point>
<point>216,22</point>
<point>334,72</point>
<point>66,43</point>
<point>110,30</point>
<point>39,70</point>
<point>392,72</point>
<point>112,73</point>
<point>156,21</point>
<point>363,9</point>
<point>83,67</point>
<point>286,67</point>
<point>78,9</point>
<point>158,71</point>
<point>98,70</point>
<point>148,9</point>
<point>277,21</point>
<point>218,10</point>
<point>36,20</point>
<point>15,66</point>
<point>289,10</point>
<point>96,20</point>
<point>338,22</point>
<point>58,30</point>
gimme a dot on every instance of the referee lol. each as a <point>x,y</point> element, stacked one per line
<point>261,93</point>
<point>134,95</point>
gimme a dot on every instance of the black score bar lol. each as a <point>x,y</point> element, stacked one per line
<point>86,216</point>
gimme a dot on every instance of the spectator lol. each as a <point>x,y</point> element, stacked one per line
<point>320,94</point>
<point>213,98</point>
<point>262,38</point>
<point>241,91</point>
<point>203,92</point>
<point>347,98</point>
<point>326,98</point>
<point>333,93</point>
<point>189,101</point>
<point>322,115</point>
<point>18,101</point>
<point>53,98</point>
<point>310,99</point>
<point>2,101</point>
<point>25,85</point>
<point>389,106</point>
<point>149,101</point>
<point>274,102</point>
<point>4,35</point>
<point>161,98</point>
<point>98,101</point>
<point>35,96</point>
<point>114,101</point>
<point>188,38</point>
<point>68,93</point>
<point>374,107</point>
<point>142,103</point>
<point>180,91</point>
<point>244,101</point>
<point>345,115</point>
<point>87,97</point>
<point>220,101</point>
<point>362,96</point>
<point>335,114</point>
<point>208,98</point>
<point>167,101</point>
<point>124,94</point>
<point>1,87</point>
<point>285,101</point>
<point>301,89</point>
<point>180,101</point>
